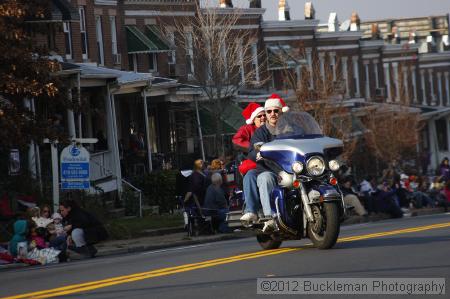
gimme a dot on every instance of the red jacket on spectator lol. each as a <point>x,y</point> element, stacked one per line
<point>242,137</point>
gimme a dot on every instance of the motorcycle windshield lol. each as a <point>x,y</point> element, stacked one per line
<point>295,125</point>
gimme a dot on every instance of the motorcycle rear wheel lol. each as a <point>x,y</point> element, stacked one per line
<point>329,232</point>
<point>267,242</point>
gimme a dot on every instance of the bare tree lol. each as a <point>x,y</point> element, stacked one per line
<point>220,58</point>
<point>393,130</point>
<point>319,90</point>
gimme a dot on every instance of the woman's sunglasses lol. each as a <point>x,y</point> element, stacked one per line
<point>261,115</point>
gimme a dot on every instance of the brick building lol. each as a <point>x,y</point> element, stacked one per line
<point>389,61</point>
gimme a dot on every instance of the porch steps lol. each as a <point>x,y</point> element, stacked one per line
<point>104,185</point>
<point>116,213</point>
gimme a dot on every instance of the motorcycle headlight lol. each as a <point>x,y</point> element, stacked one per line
<point>315,166</point>
<point>334,165</point>
<point>297,167</point>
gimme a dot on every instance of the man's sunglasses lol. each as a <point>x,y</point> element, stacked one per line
<point>276,111</point>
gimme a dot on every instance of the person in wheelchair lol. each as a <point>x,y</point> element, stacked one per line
<point>216,204</point>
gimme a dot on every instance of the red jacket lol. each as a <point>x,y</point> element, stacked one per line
<point>242,137</point>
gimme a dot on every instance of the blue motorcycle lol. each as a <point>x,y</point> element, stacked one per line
<point>307,202</point>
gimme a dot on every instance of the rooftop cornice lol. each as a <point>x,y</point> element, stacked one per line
<point>231,10</point>
<point>340,35</point>
<point>376,43</point>
<point>428,57</point>
<point>399,48</point>
<point>293,24</point>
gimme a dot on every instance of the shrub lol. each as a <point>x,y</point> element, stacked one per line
<point>159,189</point>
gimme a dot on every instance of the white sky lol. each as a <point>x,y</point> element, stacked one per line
<point>367,9</point>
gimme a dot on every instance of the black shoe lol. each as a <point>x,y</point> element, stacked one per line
<point>83,250</point>
<point>92,251</point>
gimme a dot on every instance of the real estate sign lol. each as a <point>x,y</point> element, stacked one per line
<point>75,168</point>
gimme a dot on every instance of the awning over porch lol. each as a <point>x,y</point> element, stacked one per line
<point>434,112</point>
<point>154,35</point>
<point>139,43</point>
<point>208,122</point>
<point>230,115</point>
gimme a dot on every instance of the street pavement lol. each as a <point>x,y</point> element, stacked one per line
<point>404,248</point>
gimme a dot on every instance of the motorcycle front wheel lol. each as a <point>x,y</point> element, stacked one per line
<point>325,231</point>
<point>267,242</point>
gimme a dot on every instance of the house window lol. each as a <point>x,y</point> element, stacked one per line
<point>98,29</point>
<point>132,62</point>
<point>68,39</point>
<point>241,62</point>
<point>112,21</point>
<point>223,51</point>
<point>51,37</point>
<point>441,133</point>
<point>152,62</point>
<point>84,40</point>
<point>255,66</point>
<point>172,54</point>
<point>189,54</point>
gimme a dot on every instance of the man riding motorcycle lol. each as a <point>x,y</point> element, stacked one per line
<point>262,180</point>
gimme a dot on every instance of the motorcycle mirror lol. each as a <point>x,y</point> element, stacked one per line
<point>258,145</point>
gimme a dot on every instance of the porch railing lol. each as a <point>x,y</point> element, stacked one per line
<point>139,193</point>
<point>100,165</point>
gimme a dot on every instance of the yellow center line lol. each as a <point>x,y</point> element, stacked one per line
<point>77,288</point>
<point>156,272</point>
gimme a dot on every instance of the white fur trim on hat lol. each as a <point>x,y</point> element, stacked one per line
<point>276,101</point>
<point>272,103</point>
<point>254,114</point>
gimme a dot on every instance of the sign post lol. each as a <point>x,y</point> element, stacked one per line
<point>55,170</point>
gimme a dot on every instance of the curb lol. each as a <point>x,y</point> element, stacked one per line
<point>237,235</point>
<point>161,232</point>
<point>223,237</point>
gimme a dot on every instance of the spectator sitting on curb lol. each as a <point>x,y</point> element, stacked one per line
<point>58,236</point>
<point>416,186</point>
<point>351,198</point>
<point>367,190</point>
<point>386,201</point>
<point>83,229</point>
<point>217,166</point>
<point>216,204</point>
<point>437,192</point>
<point>20,235</point>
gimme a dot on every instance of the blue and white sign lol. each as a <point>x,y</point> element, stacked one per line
<point>75,168</point>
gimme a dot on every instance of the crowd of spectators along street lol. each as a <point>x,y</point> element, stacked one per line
<point>41,236</point>
<point>396,192</point>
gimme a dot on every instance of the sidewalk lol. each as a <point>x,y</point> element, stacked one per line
<point>174,237</point>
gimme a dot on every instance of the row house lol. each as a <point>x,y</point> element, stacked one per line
<point>153,117</point>
<point>383,61</point>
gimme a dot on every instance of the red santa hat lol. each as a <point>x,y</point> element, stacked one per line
<point>276,101</point>
<point>251,111</point>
